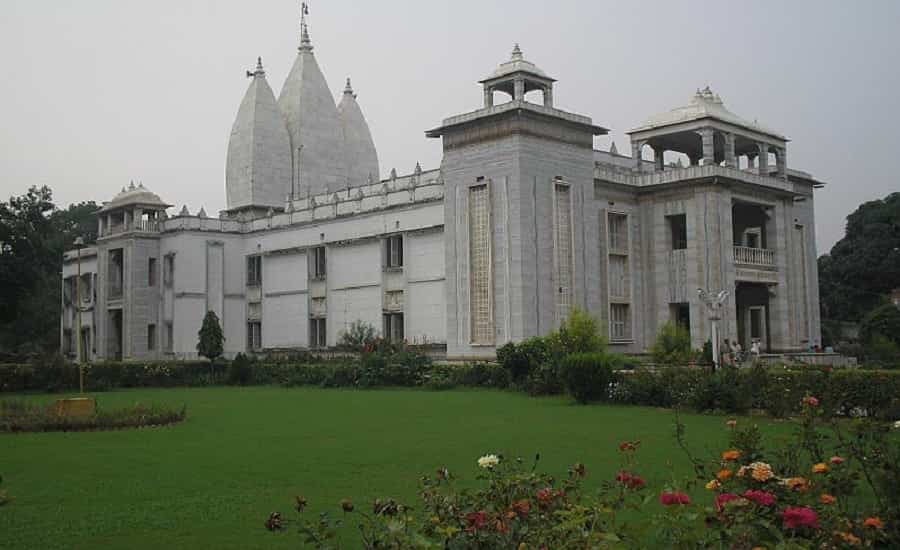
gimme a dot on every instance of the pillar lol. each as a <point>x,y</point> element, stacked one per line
<point>488,96</point>
<point>519,89</point>
<point>636,147</point>
<point>707,135</point>
<point>548,96</point>
<point>751,161</point>
<point>730,161</point>
<point>763,168</point>
<point>658,158</point>
<point>781,161</point>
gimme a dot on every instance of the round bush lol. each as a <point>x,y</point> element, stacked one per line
<point>587,376</point>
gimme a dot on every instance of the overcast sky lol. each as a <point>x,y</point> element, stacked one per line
<point>99,92</point>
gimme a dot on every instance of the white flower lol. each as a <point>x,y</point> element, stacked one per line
<point>488,461</point>
<point>897,425</point>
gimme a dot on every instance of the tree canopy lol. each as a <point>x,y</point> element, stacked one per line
<point>864,266</point>
<point>210,338</point>
<point>34,233</point>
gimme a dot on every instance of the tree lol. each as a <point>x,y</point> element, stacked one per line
<point>359,335</point>
<point>33,236</point>
<point>864,266</point>
<point>211,339</point>
<point>884,321</point>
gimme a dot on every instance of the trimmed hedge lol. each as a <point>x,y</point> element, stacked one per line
<point>587,376</point>
<point>777,391</point>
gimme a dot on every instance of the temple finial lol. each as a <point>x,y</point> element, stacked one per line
<point>516,53</point>
<point>348,89</point>
<point>305,43</point>
<point>259,69</point>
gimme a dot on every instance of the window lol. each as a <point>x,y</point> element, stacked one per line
<point>681,314</point>
<point>86,288</point>
<point>619,322</point>
<point>68,344</point>
<point>317,334</point>
<point>563,240</point>
<point>151,337</point>
<point>319,266</point>
<point>254,270</point>
<point>678,228</point>
<point>619,281</point>
<point>618,233</point>
<point>151,272</point>
<point>254,336</point>
<point>394,251</point>
<point>170,337</point>
<point>393,327</point>
<point>481,311</point>
<point>169,269</point>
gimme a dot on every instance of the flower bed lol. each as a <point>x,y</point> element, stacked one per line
<point>832,486</point>
<point>21,416</point>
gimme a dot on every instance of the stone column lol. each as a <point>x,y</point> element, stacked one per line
<point>488,96</point>
<point>730,161</point>
<point>519,89</point>
<point>781,161</point>
<point>751,161</point>
<point>548,96</point>
<point>658,158</point>
<point>763,169</point>
<point>636,147</point>
<point>709,149</point>
<point>99,226</point>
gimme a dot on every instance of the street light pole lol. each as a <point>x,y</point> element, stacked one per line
<point>713,304</point>
<point>79,243</point>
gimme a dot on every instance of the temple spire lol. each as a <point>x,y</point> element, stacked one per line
<point>348,89</point>
<point>260,72</point>
<point>516,53</point>
<point>305,43</point>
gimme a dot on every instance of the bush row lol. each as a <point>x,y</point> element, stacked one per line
<point>21,416</point>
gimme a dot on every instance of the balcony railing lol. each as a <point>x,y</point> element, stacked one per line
<point>145,226</point>
<point>762,257</point>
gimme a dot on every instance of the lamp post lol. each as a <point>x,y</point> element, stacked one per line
<point>713,304</point>
<point>79,244</point>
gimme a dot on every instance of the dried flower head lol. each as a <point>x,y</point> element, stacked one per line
<point>299,503</point>
<point>347,505</point>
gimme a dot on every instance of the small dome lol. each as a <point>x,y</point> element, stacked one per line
<point>516,64</point>
<point>135,195</point>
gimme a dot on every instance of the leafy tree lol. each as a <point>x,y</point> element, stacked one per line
<point>884,321</point>
<point>672,346</point>
<point>211,339</point>
<point>580,333</point>
<point>358,336</point>
<point>864,266</point>
<point>33,236</point>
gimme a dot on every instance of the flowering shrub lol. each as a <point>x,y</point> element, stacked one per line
<point>795,496</point>
<point>21,416</point>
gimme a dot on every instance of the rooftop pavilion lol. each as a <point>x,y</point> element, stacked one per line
<point>708,133</point>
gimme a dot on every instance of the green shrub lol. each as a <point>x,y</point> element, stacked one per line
<point>587,376</point>
<point>21,416</point>
<point>883,320</point>
<point>240,371</point>
<point>521,359</point>
<point>672,346</point>
<point>580,333</point>
<point>723,390</point>
<point>358,336</point>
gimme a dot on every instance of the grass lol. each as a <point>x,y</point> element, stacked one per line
<point>210,481</point>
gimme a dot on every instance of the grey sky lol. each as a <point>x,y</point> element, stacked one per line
<point>100,92</point>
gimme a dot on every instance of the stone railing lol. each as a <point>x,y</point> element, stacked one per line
<point>143,226</point>
<point>675,175</point>
<point>763,257</point>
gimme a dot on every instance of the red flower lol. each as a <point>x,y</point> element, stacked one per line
<point>630,480</point>
<point>629,445</point>
<point>723,499</point>
<point>800,516</point>
<point>476,521</point>
<point>810,401</point>
<point>837,460</point>
<point>762,498</point>
<point>668,499</point>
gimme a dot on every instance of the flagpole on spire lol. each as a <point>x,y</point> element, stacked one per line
<point>305,43</point>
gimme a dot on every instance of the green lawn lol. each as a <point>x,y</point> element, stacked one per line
<point>211,481</point>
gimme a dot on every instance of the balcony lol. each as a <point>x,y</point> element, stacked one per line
<point>142,226</point>
<point>756,257</point>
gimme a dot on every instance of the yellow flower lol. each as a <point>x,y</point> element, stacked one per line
<point>798,484</point>
<point>761,471</point>
<point>724,474</point>
<point>713,485</point>
<point>820,468</point>
<point>731,455</point>
<point>827,499</point>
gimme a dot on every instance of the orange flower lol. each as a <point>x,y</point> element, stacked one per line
<point>761,471</point>
<point>758,548</point>
<point>798,484</point>
<point>724,474</point>
<point>827,499</point>
<point>849,538</point>
<point>731,455</point>
<point>820,468</point>
<point>874,522</point>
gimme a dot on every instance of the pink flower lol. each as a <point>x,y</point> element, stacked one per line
<point>800,516</point>
<point>836,460</point>
<point>761,498</point>
<point>810,401</point>
<point>723,499</point>
<point>476,521</point>
<point>632,481</point>
<point>668,499</point>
